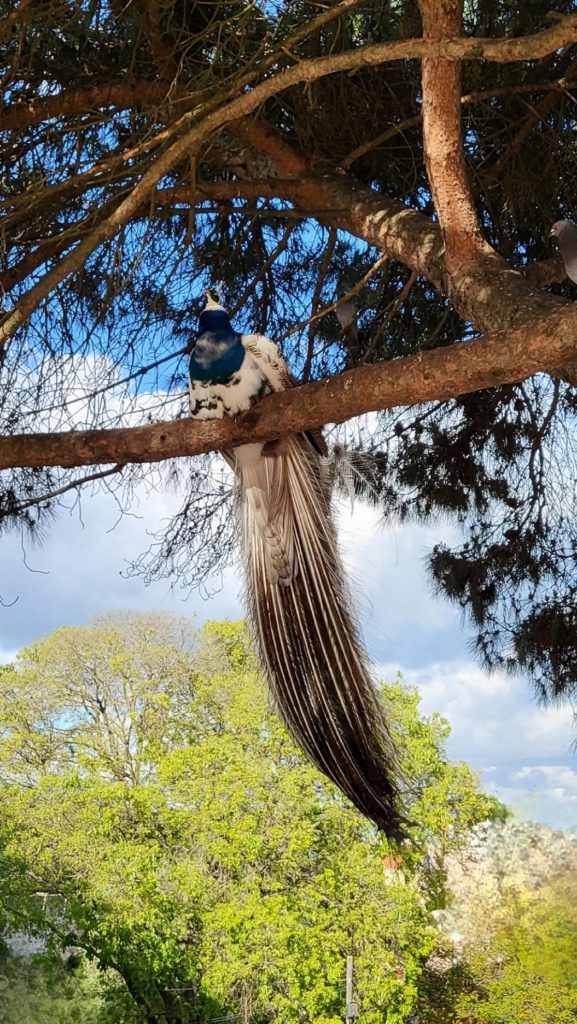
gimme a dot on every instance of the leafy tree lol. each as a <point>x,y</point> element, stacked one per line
<point>159,820</point>
<point>527,971</point>
<point>47,990</point>
<point>299,155</point>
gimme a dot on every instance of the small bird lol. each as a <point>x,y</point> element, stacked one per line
<point>299,609</point>
<point>566,232</point>
<point>347,316</point>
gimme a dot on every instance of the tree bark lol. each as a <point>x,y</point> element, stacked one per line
<point>543,344</point>
<point>442,131</point>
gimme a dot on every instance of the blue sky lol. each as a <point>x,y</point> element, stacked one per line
<point>523,752</point>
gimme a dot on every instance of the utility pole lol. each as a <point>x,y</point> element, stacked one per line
<point>352,1007</point>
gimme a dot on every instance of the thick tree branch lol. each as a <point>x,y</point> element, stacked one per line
<point>82,101</point>
<point>546,272</point>
<point>151,16</point>
<point>491,294</point>
<point>544,344</point>
<point>442,138</point>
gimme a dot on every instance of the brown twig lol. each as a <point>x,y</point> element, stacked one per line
<point>72,485</point>
<point>82,101</point>
<point>392,311</point>
<point>142,92</point>
<point>323,271</point>
<point>276,252</point>
<point>355,290</point>
<point>558,85</point>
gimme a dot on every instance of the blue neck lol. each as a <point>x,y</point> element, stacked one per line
<point>218,351</point>
<point>215,320</point>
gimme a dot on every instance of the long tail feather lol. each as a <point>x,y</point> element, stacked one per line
<point>305,632</point>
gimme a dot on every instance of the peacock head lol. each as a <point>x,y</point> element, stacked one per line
<point>212,300</point>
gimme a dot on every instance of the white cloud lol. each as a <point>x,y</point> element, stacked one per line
<point>401,618</point>
<point>493,717</point>
<point>544,792</point>
<point>557,780</point>
<point>77,572</point>
<point>523,752</point>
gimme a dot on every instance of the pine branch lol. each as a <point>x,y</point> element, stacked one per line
<point>543,344</point>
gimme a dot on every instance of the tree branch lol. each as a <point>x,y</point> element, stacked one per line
<point>442,138</point>
<point>543,344</point>
<point>502,50</point>
<point>141,92</point>
<point>151,17</point>
<point>355,290</point>
<point>82,101</point>
<point>316,299</point>
<point>491,294</point>
<point>71,486</point>
<point>545,272</point>
<point>538,113</point>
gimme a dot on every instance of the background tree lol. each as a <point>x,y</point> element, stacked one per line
<point>410,156</point>
<point>41,989</point>
<point>527,970</point>
<point>159,821</point>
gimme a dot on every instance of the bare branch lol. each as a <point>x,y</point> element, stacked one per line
<point>276,252</point>
<point>543,344</point>
<point>538,113</point>
<point>82,101</point>
<point>557,85</point>
<point>316,299</point>
<point>73,485</point>
<point>358,287</point>
<point>390,314</point>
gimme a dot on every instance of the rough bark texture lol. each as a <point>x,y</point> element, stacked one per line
<point>502,50</point>
<point>490,293</point>
<point>503,357</point>
<point>444,156</point>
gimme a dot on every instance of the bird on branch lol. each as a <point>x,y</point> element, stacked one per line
<point>299,609</point>
<point>566,233</point>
